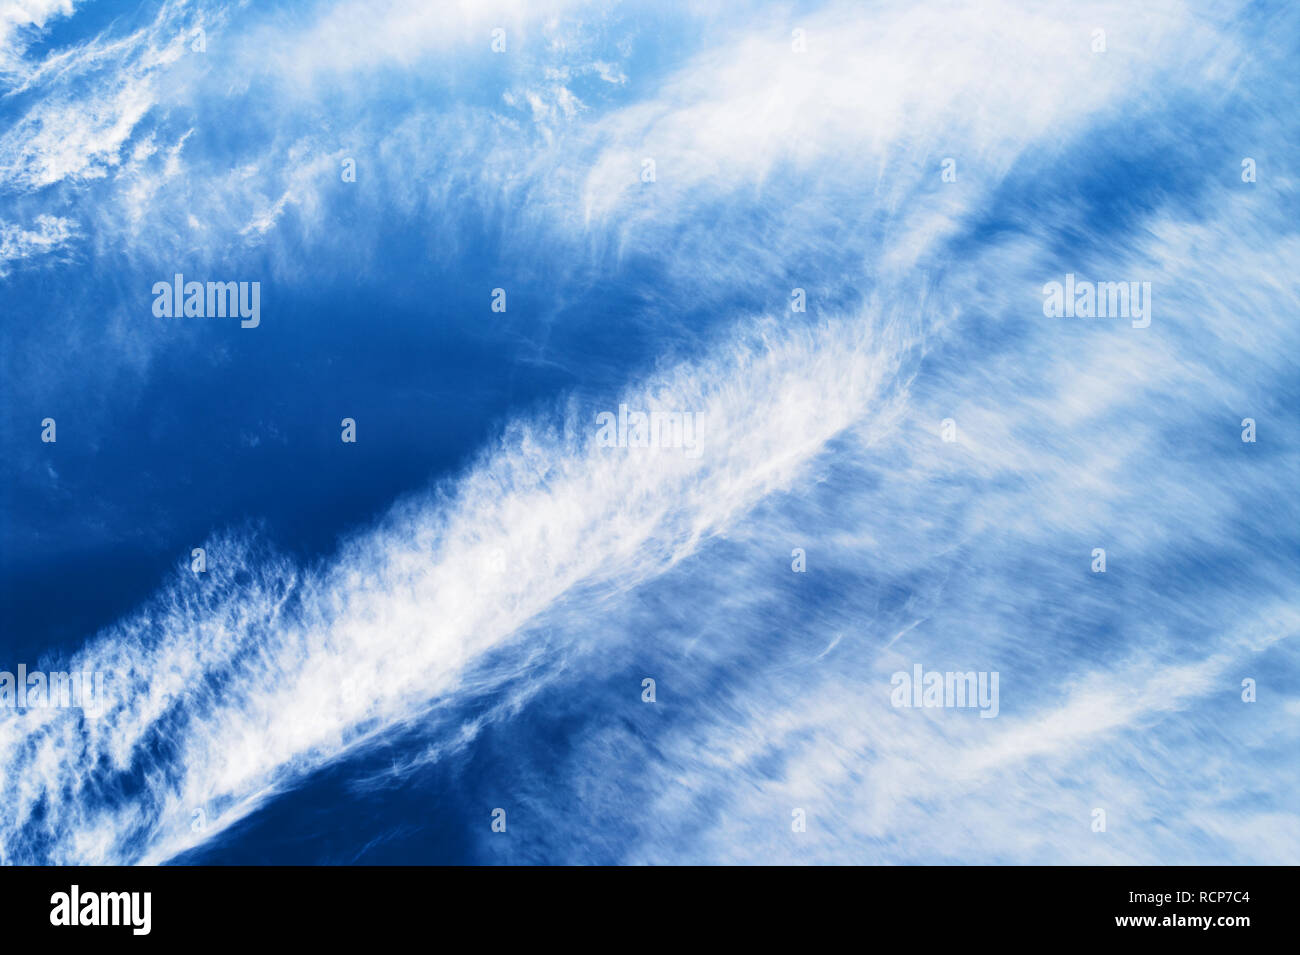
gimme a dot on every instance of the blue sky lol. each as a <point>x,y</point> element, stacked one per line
<point>455,613</point>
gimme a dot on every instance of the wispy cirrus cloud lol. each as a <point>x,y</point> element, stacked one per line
<point>45,237</point>
<point>774,168</point>
<point>21,18</point>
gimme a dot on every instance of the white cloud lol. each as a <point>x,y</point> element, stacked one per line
<point>819,431</point>
<point>50,233</point>
<point>18,17</point>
